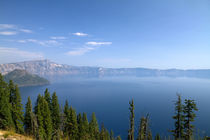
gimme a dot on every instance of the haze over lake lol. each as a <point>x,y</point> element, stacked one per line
<point>109,97</point>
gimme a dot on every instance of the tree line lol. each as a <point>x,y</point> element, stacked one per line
<point>47,120</point>
<point>183,118</point>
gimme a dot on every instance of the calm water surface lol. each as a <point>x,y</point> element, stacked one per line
<point>109,97</point>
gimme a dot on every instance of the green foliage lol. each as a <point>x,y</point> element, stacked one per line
<point>28,119</point>
<point>131,130</point>
<point>118,138</point>
<point>6,121</point>
<point>189,113</point>
<point>17,111</point>
<point>47,97</point>
<point>178,132</point>
<point>93,128</point>
<point>144,130</point>
<point>157,137</point>
<point>56,118</point>
<point>23,78</point>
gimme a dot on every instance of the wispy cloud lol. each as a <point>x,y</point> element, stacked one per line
<point>14,54</point>
<point>80,51</point>
<point>25,30</point>
<point>13,29</point>
<point>41,42</point>
<point>8,33</point>
<point>80,34</point>
<point>98,43</point>
<point>58,37</point>
<point>7,26</point>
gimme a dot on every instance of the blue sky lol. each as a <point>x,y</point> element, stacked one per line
<point>109,33</point>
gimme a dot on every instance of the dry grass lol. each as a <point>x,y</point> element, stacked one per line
<point>10,135</point>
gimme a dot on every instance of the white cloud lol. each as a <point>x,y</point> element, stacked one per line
<point>80,51</point>
<point>98,43</point>
<point>14,29</point>
<point>8,55</point>
<point>80,34</point>
<point>25,30</point>
<point>7,26</point>
<point>58,37</point>
<point>8,33</point>
<point>41,42</point>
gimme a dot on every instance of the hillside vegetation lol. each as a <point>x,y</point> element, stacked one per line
<point>23,78</point>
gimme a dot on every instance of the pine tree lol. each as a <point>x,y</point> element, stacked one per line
<point>85,127</point>
<point>55,116</point>
<point>189,113</point>
<point>80,126</point>
<point>73,132</point>
<point>6,121</point>
<point>38,109</point>
<point>37,102</point>
<point>157,137</point>
<point>131,130</point>
<point>47,97</point>
<point>178,132</point>
<point>17,111</point>
<point>144,130</point>
<point>47,122</point>
<point>111,135</point>
<point>28,120</point>
<point>66,121</point>
<point>93,128</point>
<point>118,138</point>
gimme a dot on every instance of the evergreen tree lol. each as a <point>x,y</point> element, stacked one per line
<point>131,130</point>
<point>55,116</point>
<point>111,135</point>
<point>47,122</point>
<point>85,127</point>
<point>17,111</point>
<point>6,121</point>
<point>178,132</point>
<point>47,97</point>
<point>28,120</point>
<point>157,137</point>
<point>118,138</point>
<point>66,120</point>
<point>144,130</point>
<point>80,126</point>
<point>37,102</point>
<point>93,128</point>
<point>73,132</point>
<point>189,112</point>
<point>41,130</point>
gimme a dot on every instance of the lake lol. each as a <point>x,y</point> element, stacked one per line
<point>109,99</point>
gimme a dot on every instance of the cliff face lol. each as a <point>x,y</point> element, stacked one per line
<point>46,68</point>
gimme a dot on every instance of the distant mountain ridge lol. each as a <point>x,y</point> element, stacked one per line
<point>46,68</point>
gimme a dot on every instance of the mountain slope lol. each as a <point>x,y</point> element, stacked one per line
<point>23,78</point>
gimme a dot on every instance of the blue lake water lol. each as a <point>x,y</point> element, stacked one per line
<point>109,99</point>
